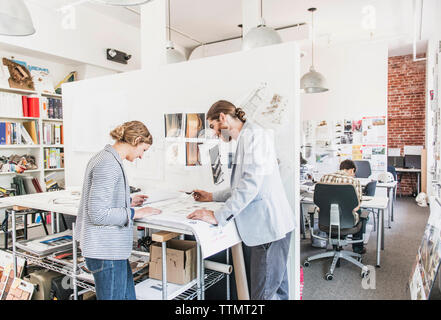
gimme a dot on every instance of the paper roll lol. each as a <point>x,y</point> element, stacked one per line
<point>240,273</point>
<point>219,267</point>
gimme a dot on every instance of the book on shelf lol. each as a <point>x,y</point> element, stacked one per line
<point>14,133</point>
<point>11,104</point>
<point>54,108</point>
<point>52,133</point>
<point>53,158</point>
<point>33,130</point>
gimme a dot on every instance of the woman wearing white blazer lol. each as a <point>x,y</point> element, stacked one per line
<point>256,200</point>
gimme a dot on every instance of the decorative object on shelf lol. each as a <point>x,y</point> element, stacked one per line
<point>313,81</point>
<point>172,55</point>
<point>122,2</point>
<point>43,81</point>
<point>118,56</point>
<point>18,164</point>
<point>261,35</point>
<point>20,76</point>
<point>15,19</point>
<point>71,77</point>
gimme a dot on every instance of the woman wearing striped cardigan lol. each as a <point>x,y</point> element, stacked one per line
<point>105,216</point>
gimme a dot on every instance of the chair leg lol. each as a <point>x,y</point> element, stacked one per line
<point>356,262</point>
<point>321,256</point>
<point>334,263</point>
<point>375,220</point>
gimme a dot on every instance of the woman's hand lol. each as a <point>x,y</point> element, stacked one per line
<point>202,196</point>
<point>203,215</point>
<point>145,212</point>
<point>138,200</point>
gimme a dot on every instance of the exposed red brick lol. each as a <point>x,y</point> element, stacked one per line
<point>406,109</point>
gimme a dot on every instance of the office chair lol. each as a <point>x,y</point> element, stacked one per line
<point>363,169</point>
<point>392,170</point>
<point>335,203</point>
<point>369,191</point>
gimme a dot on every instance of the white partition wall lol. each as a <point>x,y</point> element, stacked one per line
<point>93,107</point>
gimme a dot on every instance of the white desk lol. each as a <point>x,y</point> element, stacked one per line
<point>411,170</point>
<point>379,203</point>
<point>45,202</point>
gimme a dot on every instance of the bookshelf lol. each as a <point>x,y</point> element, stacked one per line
<point>37,150</point>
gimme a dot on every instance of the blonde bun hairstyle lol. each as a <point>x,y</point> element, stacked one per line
<point>130,131</point>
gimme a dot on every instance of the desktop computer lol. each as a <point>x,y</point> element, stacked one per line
<point>397,162</point>
<point>412,161</point>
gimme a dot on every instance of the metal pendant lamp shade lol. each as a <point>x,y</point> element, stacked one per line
<point>313,81</point>
<point>15,19</point>
<point>173,55</point>
<point>122,2</point>
<point>261,35</point>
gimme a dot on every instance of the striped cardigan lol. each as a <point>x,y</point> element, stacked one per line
<point>104,221</point>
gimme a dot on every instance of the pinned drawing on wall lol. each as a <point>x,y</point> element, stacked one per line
<point>195,125</point>
<point>374,130</point>
<point>173,125</point>
<point>216,165</point>
<point>193,157</point>
<point>265,106</point>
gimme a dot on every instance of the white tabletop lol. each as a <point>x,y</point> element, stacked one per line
<point>45,201</point>
<point>407,170</point>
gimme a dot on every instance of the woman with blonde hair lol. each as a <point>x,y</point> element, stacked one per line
<point>105,216</point>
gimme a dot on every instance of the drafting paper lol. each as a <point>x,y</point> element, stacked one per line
<point>213,239</point>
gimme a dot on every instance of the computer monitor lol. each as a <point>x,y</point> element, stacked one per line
<point>412,161</point>
<point>397,162</point>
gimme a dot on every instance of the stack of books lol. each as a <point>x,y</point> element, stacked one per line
<point>52,133</point>
<point>52,108</point>
<point>17,106</point>
<point>53,158</point>
<point>19,133</point>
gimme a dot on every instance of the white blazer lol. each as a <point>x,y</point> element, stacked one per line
<point>256,199</point>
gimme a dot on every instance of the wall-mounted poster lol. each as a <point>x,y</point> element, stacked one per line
<point>195,125</point>
<point>173,125</point>
<point>374,130</point>
<point>193,157</point>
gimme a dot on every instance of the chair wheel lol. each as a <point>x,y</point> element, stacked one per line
<point>306,263</point>
<point>365,274</point>
<point>360,259</point>
<point>329,276</point>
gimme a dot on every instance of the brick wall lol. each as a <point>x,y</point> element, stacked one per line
<point>406,109</point>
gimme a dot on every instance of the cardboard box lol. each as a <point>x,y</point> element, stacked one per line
<point>181,261</point>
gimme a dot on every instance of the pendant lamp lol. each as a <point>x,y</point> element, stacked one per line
<point>261,35</point>
<point>123,2</point>
<point>313,81</point>
<point>172,55</point>
<point>15,19</point>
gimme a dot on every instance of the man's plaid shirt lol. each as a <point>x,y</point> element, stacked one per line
<point>341,177</point>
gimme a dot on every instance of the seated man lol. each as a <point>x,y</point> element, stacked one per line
<point>346,174</point>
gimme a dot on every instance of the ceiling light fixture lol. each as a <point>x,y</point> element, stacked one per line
<point>313,81</point>
<point>122,2</point>
<point>261,35</point>
<point>172,55</point>
<point>15,19</point>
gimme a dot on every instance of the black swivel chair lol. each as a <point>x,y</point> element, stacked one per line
<point>335,204</point>
<point>363,169</point>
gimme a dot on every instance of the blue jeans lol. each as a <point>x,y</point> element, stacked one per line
<point>113,279</point>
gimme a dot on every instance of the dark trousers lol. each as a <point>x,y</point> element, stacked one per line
<point>269,274</point>
<point>358,247</point>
